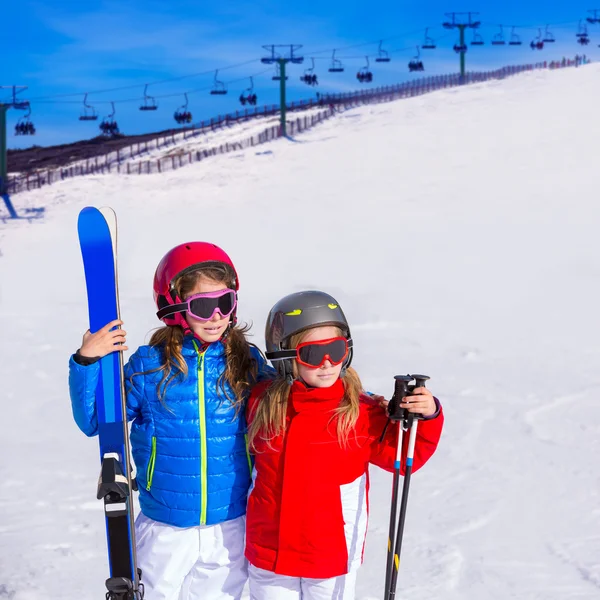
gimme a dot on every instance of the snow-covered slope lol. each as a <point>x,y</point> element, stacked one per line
<point>459,232</point>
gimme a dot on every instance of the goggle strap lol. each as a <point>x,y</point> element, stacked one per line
<point>171,310</point>
<point>281,354</point>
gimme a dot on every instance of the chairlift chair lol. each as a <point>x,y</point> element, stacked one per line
<point>249,97</point>
<point>89,113</point>
<point>310,77</point>
<point>219,88</point>
<point>515,40</point>
<point>477,39</point>
<point>548,37</point>
<point>364,75</point>
<point>582,35</point>
<point>182,114</point>
<point>108,125</point>
<point>538,43</point>
<point>416,64</point>
<point>428,43</point>
<point>24,126</point>
<point>383,56</point>
<point>149,101</point>
<point>336,65</point>
<point>277,76</point>
<point>498,39</point>
<point>458,48</point>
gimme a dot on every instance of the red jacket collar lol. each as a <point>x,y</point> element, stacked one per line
<point>304,398</point>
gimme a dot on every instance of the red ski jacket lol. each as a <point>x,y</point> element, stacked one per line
<point>308,505</point>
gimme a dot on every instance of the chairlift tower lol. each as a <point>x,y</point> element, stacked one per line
<point>4,106</point>
<point>281,59</point>
<point>461,21</point>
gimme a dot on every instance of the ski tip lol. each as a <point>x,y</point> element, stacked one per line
<point>109,215</point>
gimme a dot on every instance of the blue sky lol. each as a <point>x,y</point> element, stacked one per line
<point>71,47</point>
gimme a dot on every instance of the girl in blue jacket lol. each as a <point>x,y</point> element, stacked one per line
<point>186,396</point>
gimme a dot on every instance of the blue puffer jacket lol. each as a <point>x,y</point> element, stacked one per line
<point>192,463</point>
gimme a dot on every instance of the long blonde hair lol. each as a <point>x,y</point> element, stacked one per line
<point>269,418</point>
<point>241,370</point>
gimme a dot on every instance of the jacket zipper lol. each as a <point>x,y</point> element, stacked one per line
<point>248,455</point>
<point>203,457</point>
<point>151,463</point>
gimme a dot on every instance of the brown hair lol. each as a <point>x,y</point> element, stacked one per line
<point>269,419</point>
<point>241,371</point>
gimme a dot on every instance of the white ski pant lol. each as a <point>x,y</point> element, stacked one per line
<point>205,562</point>
<point>265,585</point>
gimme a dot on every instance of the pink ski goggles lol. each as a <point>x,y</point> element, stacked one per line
<point>204,306</point>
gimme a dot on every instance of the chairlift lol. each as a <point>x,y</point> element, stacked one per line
<point>460,48</point>
<point>548,37</point>
<point>364,75</point>
<point>277,76</point>
<point>24,126</point>
<point>416,64</point>
<point>538,43</point>
<point>477,39</point>
<point>108,126</point>
<point>310,77</point>
<point>182,115</point>
<point>582,35</point>
<point>149,101</point>
<point>498,39</point>
<point>515,39</point>
<point>219,88</point>
<point>89,113</point>
<point>249,97</point>
<point>383,55</point>
<point>429,42</point>
<point>336,65</point>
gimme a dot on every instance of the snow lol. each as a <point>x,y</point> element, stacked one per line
<point>459,232</point>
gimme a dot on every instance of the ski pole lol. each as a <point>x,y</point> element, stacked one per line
<point>395,414</point>
<point>412,420</point>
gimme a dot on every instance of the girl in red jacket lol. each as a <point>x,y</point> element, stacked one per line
<point>313,434</point>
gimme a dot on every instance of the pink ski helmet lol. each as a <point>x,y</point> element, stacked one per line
<point>175,263</point>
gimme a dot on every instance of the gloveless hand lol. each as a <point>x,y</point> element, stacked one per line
<point>420,401</point>
<point>104,341</point>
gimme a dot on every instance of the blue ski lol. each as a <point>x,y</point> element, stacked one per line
<point>97,238</point>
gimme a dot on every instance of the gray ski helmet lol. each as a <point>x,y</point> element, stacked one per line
<point>295,313</point>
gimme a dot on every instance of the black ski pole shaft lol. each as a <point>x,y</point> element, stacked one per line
<point>394,414</point>
<point>412,425</point>
<point>393,511</point>
<point>402,518</point>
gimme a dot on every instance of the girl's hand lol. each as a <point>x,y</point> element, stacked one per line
<point>380,400</point>
<point>420,401</point>
<point>104,341</point>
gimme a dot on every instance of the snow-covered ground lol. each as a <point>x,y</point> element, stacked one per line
<point>459,231</point>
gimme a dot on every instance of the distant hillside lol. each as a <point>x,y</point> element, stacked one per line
<point>50,157</point>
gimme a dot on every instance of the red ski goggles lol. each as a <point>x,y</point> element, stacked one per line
<point>203,306</point>
<point>314,354</point>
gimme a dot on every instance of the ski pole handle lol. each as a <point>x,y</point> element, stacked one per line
<point>395,412</point>
<point>420,380</point>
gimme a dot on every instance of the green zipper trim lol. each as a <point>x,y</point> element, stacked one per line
<point>203,455</point>
<point>248,454</point>
<point>151,463</point>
